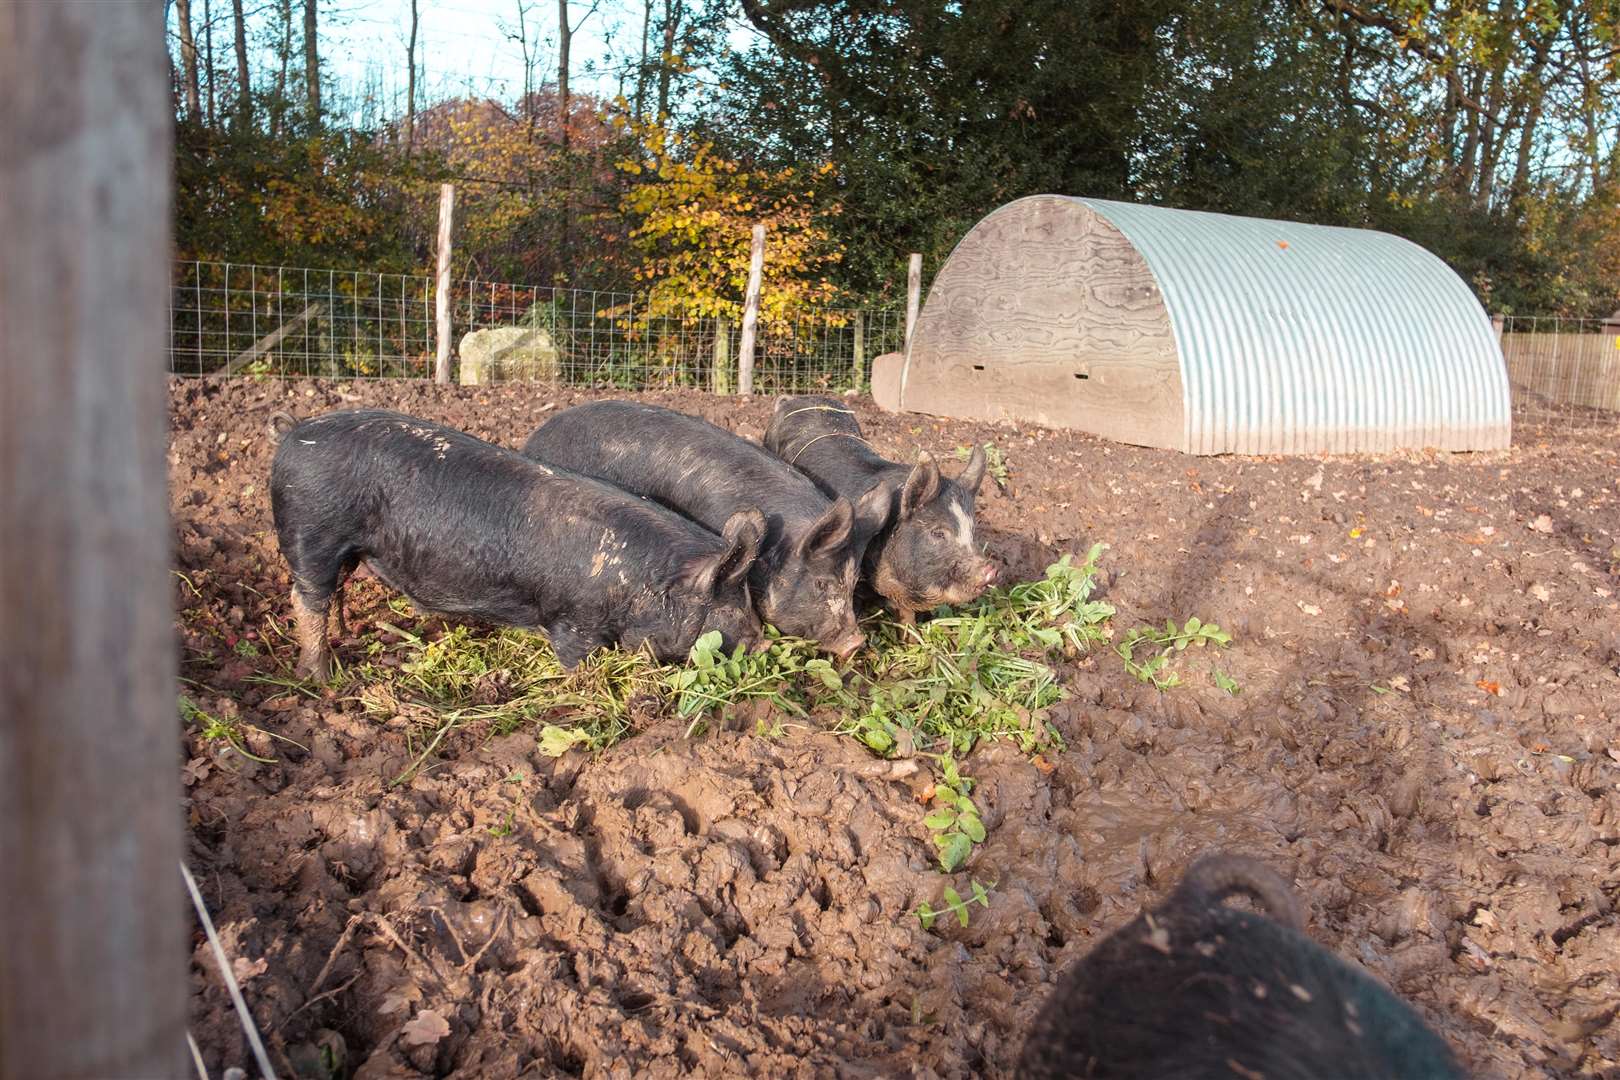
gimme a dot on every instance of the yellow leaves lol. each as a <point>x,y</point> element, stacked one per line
<point>694,218</point>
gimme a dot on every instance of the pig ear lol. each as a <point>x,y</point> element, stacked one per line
<point>973,475</point>
<point>875,509</point>
<point>744,531</point>
<point>744,534</point>
<point>831,532</point>
<point>921,488</point>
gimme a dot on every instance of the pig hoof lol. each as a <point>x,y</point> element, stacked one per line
<point>317,668</point>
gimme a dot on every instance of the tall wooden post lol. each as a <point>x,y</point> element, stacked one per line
<point>913,295</point>
<point>745,349</point>
<point>860,349</point>
<point>94,977</point>
<point>441,288</point>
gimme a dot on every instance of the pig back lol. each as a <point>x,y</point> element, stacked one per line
<point>820,437</point>
<point>682,462</point>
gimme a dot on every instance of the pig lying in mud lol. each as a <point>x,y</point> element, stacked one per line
<point>467,528</point>
<point>804,579</point>
<point>927,555</point>
<point>1199,989</point>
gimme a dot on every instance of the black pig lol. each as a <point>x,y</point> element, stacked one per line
<point>467,528</point>
<point>805,577</point>
<point>1198,989</point>
<point>927,556</point>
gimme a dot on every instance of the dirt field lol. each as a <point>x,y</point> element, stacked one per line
<point>1426,740</point>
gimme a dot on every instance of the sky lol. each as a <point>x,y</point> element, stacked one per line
<point>463,46</point>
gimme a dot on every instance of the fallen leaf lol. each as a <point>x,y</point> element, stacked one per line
<point>1400,683</point>
<point>1541,592</point>
<point>1042,764</point>
<point>245,969</point>
<point>1489,687</point>
<point>1355,534</point>
<point>1484,918</point>
<point>1542,524</point>
<point>926,795</point>
<point>396,1001</point>
<point>1309,609</point>
<point>428,1027</point>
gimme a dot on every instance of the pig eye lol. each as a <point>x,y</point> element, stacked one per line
<point>940,534</point>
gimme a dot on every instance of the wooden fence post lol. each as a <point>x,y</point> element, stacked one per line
<point>860,349</point>
<point>913,295</point>
<point>94,977</point>
<point>722,355</point>
<point>745,350</point>
<point>447,213</point>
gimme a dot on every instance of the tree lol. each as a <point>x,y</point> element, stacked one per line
<point>188,60</point>
<point>410,87</point>
<point>693,214</point>
<point>244,86</point>
<point>312,69</point>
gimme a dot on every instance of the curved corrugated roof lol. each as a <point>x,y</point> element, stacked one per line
<point>1301,338</point>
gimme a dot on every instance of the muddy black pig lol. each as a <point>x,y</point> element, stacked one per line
<point>467,528</point>
<point>927,555</point>
<point>805,577</point>
<point>1198,989</point>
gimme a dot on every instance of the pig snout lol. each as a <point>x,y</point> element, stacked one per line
<point>987,573</point>
<point>845,647</point>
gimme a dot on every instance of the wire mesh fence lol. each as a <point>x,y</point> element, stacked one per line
<point>1563,372</point>
<point>232,319</point>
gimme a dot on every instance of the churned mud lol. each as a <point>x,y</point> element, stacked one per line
<point>1425,741</point>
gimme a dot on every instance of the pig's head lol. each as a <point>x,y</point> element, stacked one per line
<point>812,592</point>
<point>930,555</point>
<point>710,592</point>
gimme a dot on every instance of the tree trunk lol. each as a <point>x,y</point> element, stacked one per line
<point>278,107</point>
<point>1527,137</point>
<point>208,59</point>
<point>672,19</point>
<point>244,86</point>
<point>312,69</point>
<point>188,60</point>
<point>641,69</point>
<point>410,87</point>
<point>565,41</point>
<point>94,981</point>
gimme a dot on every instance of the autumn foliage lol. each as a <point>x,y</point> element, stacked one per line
<point>692,214</point>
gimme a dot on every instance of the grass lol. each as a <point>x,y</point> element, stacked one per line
<point>503,681</point>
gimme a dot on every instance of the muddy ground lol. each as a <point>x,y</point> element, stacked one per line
<point>1425,741</point>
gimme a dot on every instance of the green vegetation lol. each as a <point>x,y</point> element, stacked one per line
<point>954,905</point>
<point>1168,642</point>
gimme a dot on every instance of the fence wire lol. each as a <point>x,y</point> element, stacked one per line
<point>1564,373</point>
<point>231,319</point>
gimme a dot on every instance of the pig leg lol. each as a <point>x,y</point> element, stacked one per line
<point>314,650</point>
<point>338,626</point>
<point>906,615</point>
